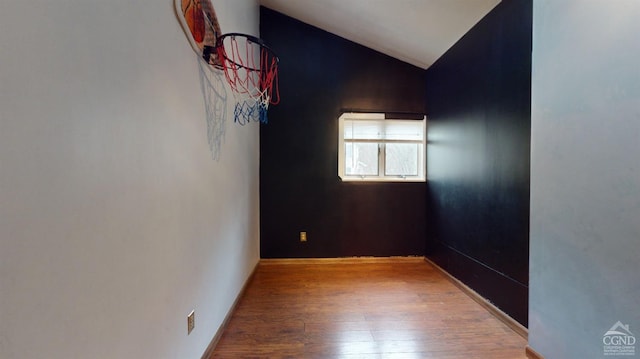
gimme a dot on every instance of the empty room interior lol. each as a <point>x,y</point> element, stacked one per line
<point>413,179</point>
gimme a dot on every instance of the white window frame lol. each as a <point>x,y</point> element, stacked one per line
<point>380,177</point>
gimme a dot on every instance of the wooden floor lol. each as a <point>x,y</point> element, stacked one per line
<point>384,309</point>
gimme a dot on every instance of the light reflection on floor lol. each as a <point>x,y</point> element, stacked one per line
<point>349,311</point>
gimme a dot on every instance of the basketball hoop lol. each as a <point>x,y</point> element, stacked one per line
<point>250,66</point>
<point>251,69</point>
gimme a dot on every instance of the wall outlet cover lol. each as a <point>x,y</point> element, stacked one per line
<point>191,322</point>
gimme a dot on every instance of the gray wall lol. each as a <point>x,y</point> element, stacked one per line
<point>115,221</point>
<point>585,183</point>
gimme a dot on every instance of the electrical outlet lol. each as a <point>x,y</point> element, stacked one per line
<point>191,321</point>
<point>303,236</point>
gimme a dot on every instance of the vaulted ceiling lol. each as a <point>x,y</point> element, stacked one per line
<point>414,31</point>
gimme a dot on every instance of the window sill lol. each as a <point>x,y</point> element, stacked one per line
<point>381,179</point>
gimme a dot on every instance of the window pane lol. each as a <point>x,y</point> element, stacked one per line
<point>404,130</point>
<point>401,159</point>
<point>363,129</point>
<point>361,159</point>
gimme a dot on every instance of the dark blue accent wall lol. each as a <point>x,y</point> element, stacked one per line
<point>322,75</point>
<point>478,106</point>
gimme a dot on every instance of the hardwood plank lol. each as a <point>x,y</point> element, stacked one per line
<point>368,309</point>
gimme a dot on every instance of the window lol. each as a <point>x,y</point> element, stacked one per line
<point>373,147</point>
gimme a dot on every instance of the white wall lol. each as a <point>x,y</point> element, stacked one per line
<point>585,184</point>
<point>115,221</point>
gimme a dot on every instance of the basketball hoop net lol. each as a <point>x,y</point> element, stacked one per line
<point>251,69</point>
